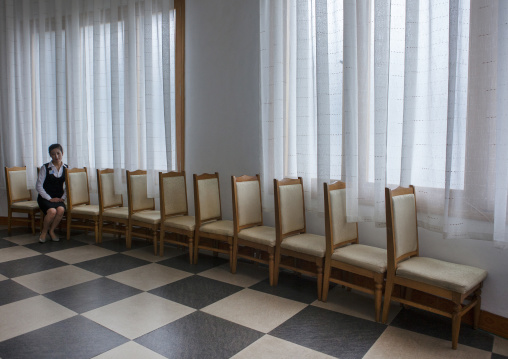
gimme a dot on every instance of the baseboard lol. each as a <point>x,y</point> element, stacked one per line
<point>489,322</point>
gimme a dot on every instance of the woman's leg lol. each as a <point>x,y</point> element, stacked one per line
<point>59,214</point>
<point>48,220</point>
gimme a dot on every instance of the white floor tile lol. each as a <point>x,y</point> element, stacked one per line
<point>24,239</point>
<point>80,254</point>
<point>29,314</point>
<point>138,315</point>
<point>500,346</point>
<point>146,253</point>
<point>150,276</point>
<point>246,274</point>
<point>54,279</point>
<point>269,347</point>
<point>16,252</point>
<point>255,310</point>
<point>130,350</point>
<point>399,343</point>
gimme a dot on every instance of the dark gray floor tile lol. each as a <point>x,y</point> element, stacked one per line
<point>437,326</point>
<point>196,291</point>
<point>11,291</point>
<point>498,356</point>
<point>15,231</point>
<point>91,295</point>
<point>19,267</point>
<point>112,264</point>
<point>291,286</point>
<point>50,246</point>
<point>182,262</point>
<point>332,333</point>
<point>73,338</point>
<point>6,244</point>
<point>199,335</point>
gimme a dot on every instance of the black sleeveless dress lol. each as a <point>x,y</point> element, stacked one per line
<point>53,187</point>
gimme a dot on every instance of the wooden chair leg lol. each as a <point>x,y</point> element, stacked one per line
<point>388,297</point>
<point>69,219</point>
<point>161,240</point>
<point>276,267</point>
<point>128,240</point>
<point>270,268</point>
<point>456,318</point>
<point>320,279</point>
<point>154,239</point>
<point>191,250</point>
<point>378,295</point>
<point>100,230</point>
<point>231,258</point>
<point>234,260</point>
<point>96,230</point>
<point>196,248</point>
<point>32,221</point>
<point>9,222</point>
<point>477,308</point>
<point>326,280</point>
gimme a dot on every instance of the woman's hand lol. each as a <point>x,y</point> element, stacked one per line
<point>56,200</point>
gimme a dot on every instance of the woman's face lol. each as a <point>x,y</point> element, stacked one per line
<point>56,155</point>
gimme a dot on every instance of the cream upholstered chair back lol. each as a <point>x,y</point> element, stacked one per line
<point>342,230</point>
<point>404,224</point>
<point>107,189</point>
<point>138,198</point>
<point>249,202</point>
<point>175,194</point>
<point>209,198</point>
<point>16,184</point>
<point>77,182</point>
<point>291,206</point>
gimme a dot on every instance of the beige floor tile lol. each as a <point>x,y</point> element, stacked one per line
<point>130,350</point>
<point>16,252</point>
<point>500,346</point>
<point>3,277</point>
<point>138,315</point>
<point>246,274</point>
<point>150,276</point>
<point>399,343</point>
<point>54,279</point>
<point>255,310</point>
<point>24,239</point>
<point>80,254</point>
<point>354,303</point>
<point>146,253</point>
<point>269,347</point>
<point>29,314</point>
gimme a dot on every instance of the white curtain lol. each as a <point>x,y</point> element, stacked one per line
<point>390,93</point>
<point>96,77</point>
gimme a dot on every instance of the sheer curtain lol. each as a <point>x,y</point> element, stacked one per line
<point>95,76</point>
<point>390,93</point>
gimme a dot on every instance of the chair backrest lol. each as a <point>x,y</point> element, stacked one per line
<point>76,181</point>
<point>15,178</point>
<point>106,188</point>
<point>289,207</point>
<point>247,209</point>
<point>173,194</point>
<point>401,224</point>
<point>207,197</point>
<point>338,230</point>
<point>137,192</point>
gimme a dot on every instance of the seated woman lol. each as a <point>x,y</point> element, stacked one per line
<point>51,188</point>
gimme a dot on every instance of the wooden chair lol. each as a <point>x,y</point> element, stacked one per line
<point>80,213</point>
<point>292,239</point>
<point>344,253</point>
<point>459,284</point>
<point>144,220</point>
<point>249,232</point>
<point>19,197</point>
<point>113,217</point>
<point>209,222</point>
<point>175,213</point>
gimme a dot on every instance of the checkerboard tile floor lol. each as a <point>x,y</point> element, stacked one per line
<point>75,299</point>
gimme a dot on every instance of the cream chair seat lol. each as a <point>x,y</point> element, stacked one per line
<point>252,240</point>
<point>345,254</point>
<point>80,213</point>
<point>114,218</point>
<point>307,250</point>
<point>459,284</point>
<point>19,197</point>
<point>218,233</point>
<point>142,214</point>
<point>177,226</point>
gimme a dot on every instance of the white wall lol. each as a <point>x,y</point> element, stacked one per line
<point>222,130</point>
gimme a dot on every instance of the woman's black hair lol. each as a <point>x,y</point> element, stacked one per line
<point>55,145</point>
